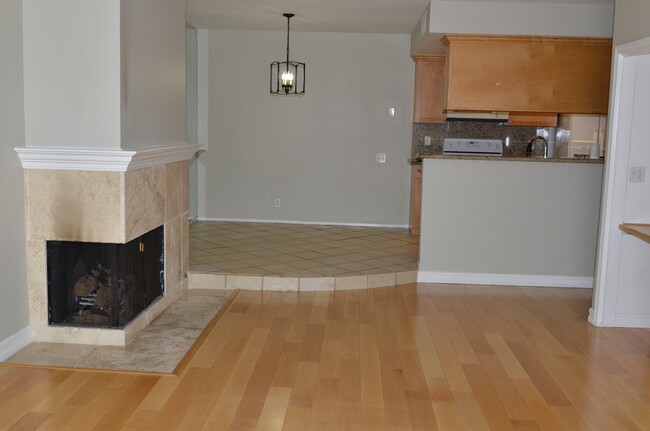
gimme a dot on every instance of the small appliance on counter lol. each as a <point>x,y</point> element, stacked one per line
<point>581,136</point>
<point>472,147</point>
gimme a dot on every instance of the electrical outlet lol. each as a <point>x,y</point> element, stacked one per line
<point>276,203</point>
<point>427,141</point>
<point>381,157</point>
<point>637,174</point>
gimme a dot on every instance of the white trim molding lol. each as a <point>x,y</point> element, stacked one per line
<point>505,279</point>
<point>623,320</point>
<point>102,159</point>
<point>18,341</point>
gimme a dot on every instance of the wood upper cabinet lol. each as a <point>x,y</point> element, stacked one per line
<point>527,74</point>
<point>429,86</point>
<point>539,119</point>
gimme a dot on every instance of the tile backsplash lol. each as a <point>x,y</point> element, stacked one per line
<point>519,135</point>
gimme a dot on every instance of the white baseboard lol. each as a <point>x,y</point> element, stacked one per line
<point>325,223</point>
<point>622,320</point>
<point>632,321</point>
<point>504,279</point>
<point>10,346</point>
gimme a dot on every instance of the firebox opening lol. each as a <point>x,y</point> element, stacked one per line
<point>104,284</point>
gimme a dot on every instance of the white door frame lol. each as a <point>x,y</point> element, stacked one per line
<point>603,311</point>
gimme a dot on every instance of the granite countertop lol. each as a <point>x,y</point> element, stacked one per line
<point>418,159</point>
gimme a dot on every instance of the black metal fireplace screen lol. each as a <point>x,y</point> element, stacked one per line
<point>104,284</point>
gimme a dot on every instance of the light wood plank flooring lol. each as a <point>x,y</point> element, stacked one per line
<point>413,357</point>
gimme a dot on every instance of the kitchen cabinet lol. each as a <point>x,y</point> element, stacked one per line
<point>527,73</point>
<point>416,199</point>
<point>537,119</point>
<point>429,85</point>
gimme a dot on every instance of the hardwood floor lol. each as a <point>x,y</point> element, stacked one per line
<point>414,357</point>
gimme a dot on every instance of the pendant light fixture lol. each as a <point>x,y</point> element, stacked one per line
<point>287,77</point>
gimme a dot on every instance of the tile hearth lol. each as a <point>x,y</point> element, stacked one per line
<point>157,349</point>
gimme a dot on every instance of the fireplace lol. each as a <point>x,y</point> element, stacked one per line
<point>104,285</point>
<point>87,211</point>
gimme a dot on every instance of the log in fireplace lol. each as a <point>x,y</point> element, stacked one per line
<point>104,285</point>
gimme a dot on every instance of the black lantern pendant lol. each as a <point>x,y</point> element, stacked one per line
<point>287,77</point>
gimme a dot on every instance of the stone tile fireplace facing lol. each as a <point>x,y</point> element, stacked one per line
<point>140,192</point>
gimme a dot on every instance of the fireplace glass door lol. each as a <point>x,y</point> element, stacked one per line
<point>104,284</point>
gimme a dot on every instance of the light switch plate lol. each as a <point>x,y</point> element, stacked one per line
<point>381,157</point>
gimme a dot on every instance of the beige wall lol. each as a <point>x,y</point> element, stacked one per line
<point>104,74</point>
<point>506,17</point>
<point>72,73</point>
<point>316,152</point>
<point>13,285</point>
<point>500,217</point>
<point>631,20</point>
<point>153,73</point>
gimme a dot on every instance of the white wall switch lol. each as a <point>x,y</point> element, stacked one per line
<point>427,141</point>
<point>391,112</point>
<point>381,157</point>
<point>637,174</point>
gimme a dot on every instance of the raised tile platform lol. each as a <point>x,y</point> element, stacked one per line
<point>290,257</point>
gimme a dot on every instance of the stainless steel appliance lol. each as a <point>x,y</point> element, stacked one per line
<point>472,147</point>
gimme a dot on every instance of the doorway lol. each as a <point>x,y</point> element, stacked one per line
<point>621,288</point>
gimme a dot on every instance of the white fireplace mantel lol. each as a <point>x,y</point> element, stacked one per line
<point>107,160</point>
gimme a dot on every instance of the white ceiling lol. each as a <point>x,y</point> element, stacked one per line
<point>347,16</point>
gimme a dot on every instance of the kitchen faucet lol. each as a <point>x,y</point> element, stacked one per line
<point>529,147</point>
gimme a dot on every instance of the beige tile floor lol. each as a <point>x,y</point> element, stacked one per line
<point>292,250</point>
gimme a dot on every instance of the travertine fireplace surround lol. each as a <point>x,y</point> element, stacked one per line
<point>104,196</point>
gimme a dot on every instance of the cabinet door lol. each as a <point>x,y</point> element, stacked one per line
<point>527,73</point>
<point>532,119</point>
<point>429,88</point>
<point>416,199</point>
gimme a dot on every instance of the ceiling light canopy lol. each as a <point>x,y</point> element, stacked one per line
<point>287,77</point>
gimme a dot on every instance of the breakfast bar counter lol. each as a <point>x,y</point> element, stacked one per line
<point>503,220</point>
<point>509,159</point>
<point>639,230</point>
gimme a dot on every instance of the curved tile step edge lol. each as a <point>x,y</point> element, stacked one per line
<point>299,284</point>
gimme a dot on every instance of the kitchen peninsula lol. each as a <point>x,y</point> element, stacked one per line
<point>509,221</point>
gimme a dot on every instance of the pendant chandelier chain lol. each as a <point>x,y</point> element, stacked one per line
<point>288,30</point>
